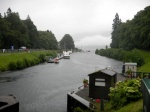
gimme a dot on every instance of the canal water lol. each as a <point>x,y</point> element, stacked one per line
<point>44,88</point>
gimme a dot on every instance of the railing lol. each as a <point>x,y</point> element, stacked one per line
<point>145,86</point>
<point>134,75</point>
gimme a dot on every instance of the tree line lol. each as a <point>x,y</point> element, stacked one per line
<point>122,55</point>
<point>133,33</point>
<point>16,32</point>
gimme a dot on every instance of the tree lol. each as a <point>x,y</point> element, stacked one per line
<point>67,42</point>
<point>9,12</point>
<point>16,34</point>
<point>4,31</point>
<point>47,40</point>
<point>28,18</point>
<point>32,33</point>
<point>115,25</point>
<point>133,33</point>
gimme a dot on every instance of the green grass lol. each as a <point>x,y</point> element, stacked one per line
<point>146,66</point>
<point>6,58</point>
<point>132,107</point>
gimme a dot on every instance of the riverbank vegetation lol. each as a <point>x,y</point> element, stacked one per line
<point>133,33</point>
<point>16,32</point>
<point>15,61</point>
<point>122,55</point>
<point>125,92</point>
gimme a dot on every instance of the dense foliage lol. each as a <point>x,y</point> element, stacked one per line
<point>47,40</point>
<point>67,42</point>
<point>122,55</point>
<point>125,92</point>
<point>16,32</point>
<point>133,33</point>
<point>78,109</point>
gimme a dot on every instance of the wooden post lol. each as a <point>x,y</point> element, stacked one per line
<point>102,104</point>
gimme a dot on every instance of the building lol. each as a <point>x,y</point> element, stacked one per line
<point>100,83</point>
<point>129,66</point>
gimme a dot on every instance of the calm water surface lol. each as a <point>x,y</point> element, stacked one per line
<point>44,88</point>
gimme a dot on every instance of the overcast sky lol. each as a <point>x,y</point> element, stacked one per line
<point>89,22</point>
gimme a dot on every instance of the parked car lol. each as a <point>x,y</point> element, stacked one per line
<point>23,48</point>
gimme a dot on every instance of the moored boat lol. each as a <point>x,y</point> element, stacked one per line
<point>51,60</point>
<point>56,60</point>
<point>66,55</point>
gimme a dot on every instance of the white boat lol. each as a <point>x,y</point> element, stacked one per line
<point>66,55</point>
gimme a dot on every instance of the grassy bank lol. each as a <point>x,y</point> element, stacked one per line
<point>132,107</point>
<point>146,66</point>
<point>13,61</point>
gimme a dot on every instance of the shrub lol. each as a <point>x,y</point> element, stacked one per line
<point>20,65</point>
<point>27,62</point>
<point>3,68</point>
<point>36,61</point>
<point>32,62</point>
<point>41,57</point>
<point>125,92</point>
<point>78,109</point>
<point>122,55</point>
<point>12,66</point>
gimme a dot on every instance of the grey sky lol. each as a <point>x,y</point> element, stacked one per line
<point>89,22</point>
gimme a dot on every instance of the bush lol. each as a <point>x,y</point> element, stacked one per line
<point>12,66</point>
<point>41,57</point>
<point>36,61</point>
<point>27,62</point>
<point>122,55</point>
<point>125,92</point>
<point>3,68</point>
<point>20,65</point>
<point>78,109</point>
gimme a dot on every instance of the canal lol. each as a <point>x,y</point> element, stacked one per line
<point>44,88</point>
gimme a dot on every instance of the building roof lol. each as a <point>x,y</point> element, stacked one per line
<point>133,64</point>
<point>106,71</point>
<point>147,83</point>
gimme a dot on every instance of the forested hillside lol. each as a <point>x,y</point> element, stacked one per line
<point>16,32</point>
<point>133,33</point>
